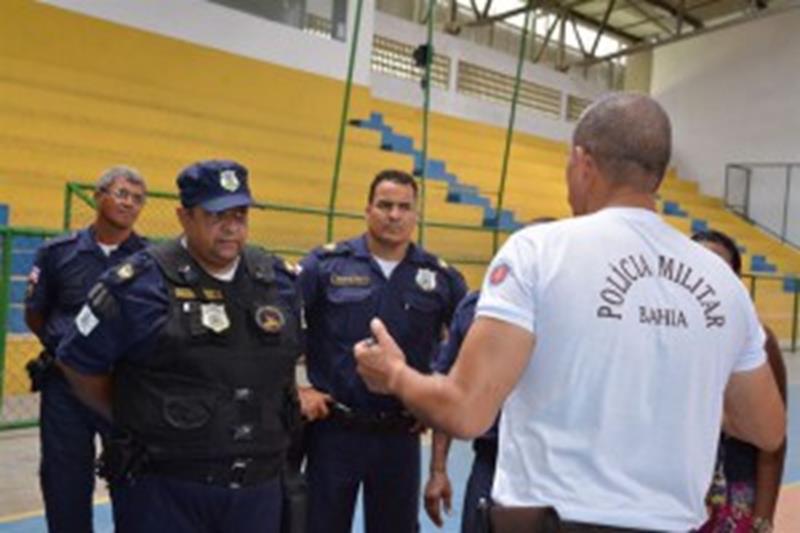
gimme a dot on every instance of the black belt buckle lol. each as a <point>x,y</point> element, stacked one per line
<point>238,472</point>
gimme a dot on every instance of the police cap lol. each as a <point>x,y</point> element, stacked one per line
<point>214,185</point>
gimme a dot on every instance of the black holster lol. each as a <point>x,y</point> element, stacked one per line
<point>38,368</point>
<point>295,501</point>
<point>123,458</point>
<point>499,519</point>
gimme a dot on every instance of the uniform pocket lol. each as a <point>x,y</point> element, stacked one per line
<point>351,311</point>
<point>187,412</point>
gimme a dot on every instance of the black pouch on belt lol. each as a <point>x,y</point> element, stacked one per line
<point>523,520</point>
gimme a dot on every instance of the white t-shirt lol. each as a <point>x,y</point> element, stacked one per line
<point>616,418</point>
<point>387,266</point>
<point>107,249</point>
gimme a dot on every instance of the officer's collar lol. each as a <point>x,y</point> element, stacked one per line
<point>87,241</point>
<point>414,253</point>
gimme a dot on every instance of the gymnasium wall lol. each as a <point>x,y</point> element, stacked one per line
<point>216,26</point>
<point>734,96</point>
<point>212,25</point>
<point>451,102</point>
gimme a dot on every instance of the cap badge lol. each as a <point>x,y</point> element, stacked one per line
<point>270,318</point>
<point>228,180</point>
<point>214,317</point>
<point>426,279</point>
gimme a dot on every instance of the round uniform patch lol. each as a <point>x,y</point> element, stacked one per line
<point>125,271</point>
<point>499,274</point>
<point>270,319</point>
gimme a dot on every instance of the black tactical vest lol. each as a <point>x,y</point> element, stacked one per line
<point>219,385</point>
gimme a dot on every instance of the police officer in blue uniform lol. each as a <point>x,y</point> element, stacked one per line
<point>366,439</point>
<point>64,270</point>
<point>190,348</point>
<point>438,490</point>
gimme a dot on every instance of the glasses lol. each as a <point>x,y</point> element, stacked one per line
<point>124,194</point>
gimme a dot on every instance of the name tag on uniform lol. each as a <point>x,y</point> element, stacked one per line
<point>338,280</point>
<point>214,317</point>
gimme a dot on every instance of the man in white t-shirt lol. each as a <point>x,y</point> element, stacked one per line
<point>614,341</point>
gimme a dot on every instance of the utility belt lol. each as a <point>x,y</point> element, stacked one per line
<point>380,422</point>
<point>125,459</point>
<point>39,368</point>
<point>500,519</point>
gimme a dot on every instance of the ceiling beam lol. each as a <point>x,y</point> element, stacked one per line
<point>641,47</point>
<point>555,7</point>
<point>695,22</point>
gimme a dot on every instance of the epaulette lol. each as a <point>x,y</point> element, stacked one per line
<point>290,267</point>
<point>260,263</point>
<point>61,240</point>
<point>334,248</point>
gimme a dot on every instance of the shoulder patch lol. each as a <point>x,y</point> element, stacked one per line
<point>61,240</point>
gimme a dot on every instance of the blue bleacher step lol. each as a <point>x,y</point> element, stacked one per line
<point>791,283</point>
<point>759,263</point>
<point>16,319</point>
<point>699,225</point>
<point>673,209</point>
<point>19,285</point>
<point>27,242</point>
<point>22,261</point>
<point>506,222</point>
<point>374,122</point>
<point>437,169</point>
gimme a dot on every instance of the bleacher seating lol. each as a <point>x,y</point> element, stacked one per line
<point>67,113</point>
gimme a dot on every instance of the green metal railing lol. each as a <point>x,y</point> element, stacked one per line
<point>348,86</point>
<point>18,408</point>
<point>82,191</point>
<point>501,193</point>
<point>24,412</point>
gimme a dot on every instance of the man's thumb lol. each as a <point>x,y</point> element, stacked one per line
<point>380,332</point>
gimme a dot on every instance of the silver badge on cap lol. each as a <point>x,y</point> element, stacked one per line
<point>228,180</point>
<point>426,279</point>
<point>214,317</point>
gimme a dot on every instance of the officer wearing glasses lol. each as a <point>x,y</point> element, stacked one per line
<point>190,347</point>
<point>64,270</point>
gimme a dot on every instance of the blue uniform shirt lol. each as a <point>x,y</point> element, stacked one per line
<point>98,338</point>
<point>462,320</point>
<point>64,270</point>
<point>344,288</point>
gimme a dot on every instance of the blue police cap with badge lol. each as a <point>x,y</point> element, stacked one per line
<point>214,185</point>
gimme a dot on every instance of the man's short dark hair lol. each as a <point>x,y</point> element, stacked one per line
<point>726,242</point>
<point>629,136</point>
<point>395,176</point>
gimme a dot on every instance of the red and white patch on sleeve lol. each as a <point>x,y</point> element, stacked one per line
<point>33,277</point>
<point>499,274</point>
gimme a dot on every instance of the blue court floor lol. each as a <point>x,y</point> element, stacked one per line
<point>459,465</point>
